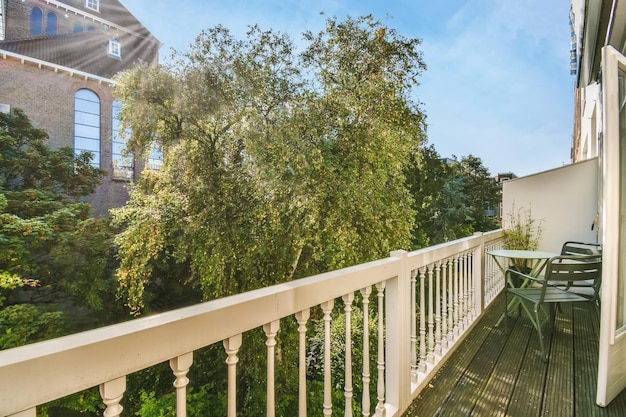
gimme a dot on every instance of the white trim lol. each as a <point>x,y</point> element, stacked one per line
<point>115,48</point>
<point>97,2</point>
<point>56,68</point>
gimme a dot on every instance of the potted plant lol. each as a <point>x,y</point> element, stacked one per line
<point>521,232</point>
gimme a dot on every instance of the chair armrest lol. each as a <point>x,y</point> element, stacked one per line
<point>516,277</point>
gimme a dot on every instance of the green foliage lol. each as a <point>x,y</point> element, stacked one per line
<point>53,254</point>
<point>521,231</point>
<point>450,199</point>
<point>22,324</point>
<point>269,175</point>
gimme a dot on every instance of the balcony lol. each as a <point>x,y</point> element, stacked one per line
<point>429,303</point>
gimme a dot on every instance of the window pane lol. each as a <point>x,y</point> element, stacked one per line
<point>123,165</point>
<point>36,22</point>
<point>86,144</point>
<point>92,132</point>
<point>87,124</point>
<point>51,25</point>
<point>90,119</point>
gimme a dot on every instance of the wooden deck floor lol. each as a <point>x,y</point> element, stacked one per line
<point>498,374</point>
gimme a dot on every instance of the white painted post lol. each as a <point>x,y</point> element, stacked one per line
<point>380,406</point>
<point>431,317</point>
<point>398,337</point>
<point>302,317</point>
<point>422,331</point>
<point>348,299</point>
<point>327,309</point>
<point>111,393</point>
<point>450,264</point>
<point>365,404</point>
<point>232,345</point>
<point>180,366</point>
<point>445,300</point>
<point>438,308</point>
<point>414,375</point>
<point>271,329</point>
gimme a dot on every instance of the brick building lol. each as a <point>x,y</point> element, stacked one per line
<point>58,60</point>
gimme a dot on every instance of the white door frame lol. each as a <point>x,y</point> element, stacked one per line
<point>612,347</point>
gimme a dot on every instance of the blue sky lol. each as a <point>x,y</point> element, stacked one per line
<point>497,84</point>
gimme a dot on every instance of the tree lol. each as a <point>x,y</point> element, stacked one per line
<point>269,175</point>
<point>277,166</point>
<point>53,254</point>
<point>482,192</point>
<point>450,200</point>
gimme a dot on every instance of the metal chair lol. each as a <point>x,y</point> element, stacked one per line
<point>588,289</point>
<point>560,271</point>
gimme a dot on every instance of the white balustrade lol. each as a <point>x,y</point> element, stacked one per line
<point>271,330</point>
<point>380,407</point>
<point>232,345</point>
<point>180,366</point>
<point>327,308</point>
<point>365,403</point>
<point>111,393</point>
<point>302,317</point>
<point>427,300</point>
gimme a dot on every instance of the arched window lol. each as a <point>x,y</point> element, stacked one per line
<point>78,28</point>
<point>123,164</point>
<point>36,21</point>
<point>51,24</point>
<point>87,124</point>
<point>155,159</point>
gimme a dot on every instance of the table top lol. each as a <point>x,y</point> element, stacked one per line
<point>522,254</point>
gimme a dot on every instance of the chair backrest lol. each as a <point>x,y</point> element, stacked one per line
<point>572,269</point>
<point>581,248</point>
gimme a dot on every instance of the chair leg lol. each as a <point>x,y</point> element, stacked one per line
<point>537,324</point>
<point>506,311</point>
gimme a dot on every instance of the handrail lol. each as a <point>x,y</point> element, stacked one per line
<point>35,374</point>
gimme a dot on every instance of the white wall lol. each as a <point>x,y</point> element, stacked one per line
<point>564,199</point>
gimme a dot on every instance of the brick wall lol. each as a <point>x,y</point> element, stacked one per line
<point>18,19</point>
<point>47,98</point>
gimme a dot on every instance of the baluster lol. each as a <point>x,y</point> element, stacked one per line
<point>444,304</point>
<point>111,393</point>
<point>365,405</point>
<point>431,317</point>
<point>180,366</point>
<point>327,308</point>
<point>271,329</point>
<point>348,299</point>
<point>422,361</point>
<point>380,407</point>
<point>472,284</point>
<point>465,309</point>
<point>438,308</point>
<point>457,285</point>
<point>302,317</point>
<point>461,294</point>
<point>232,345</point>
<point>450,264</point>
<point>414,376</point>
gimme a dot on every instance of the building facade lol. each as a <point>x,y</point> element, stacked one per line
<point>598,55</point>
<point>58,62</point>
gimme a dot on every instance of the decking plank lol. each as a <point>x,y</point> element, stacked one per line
<point>492,367</point>
<point>495,398</point>
<point>585,358</point>
<point>559,386</point>
<point>445,381</point>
